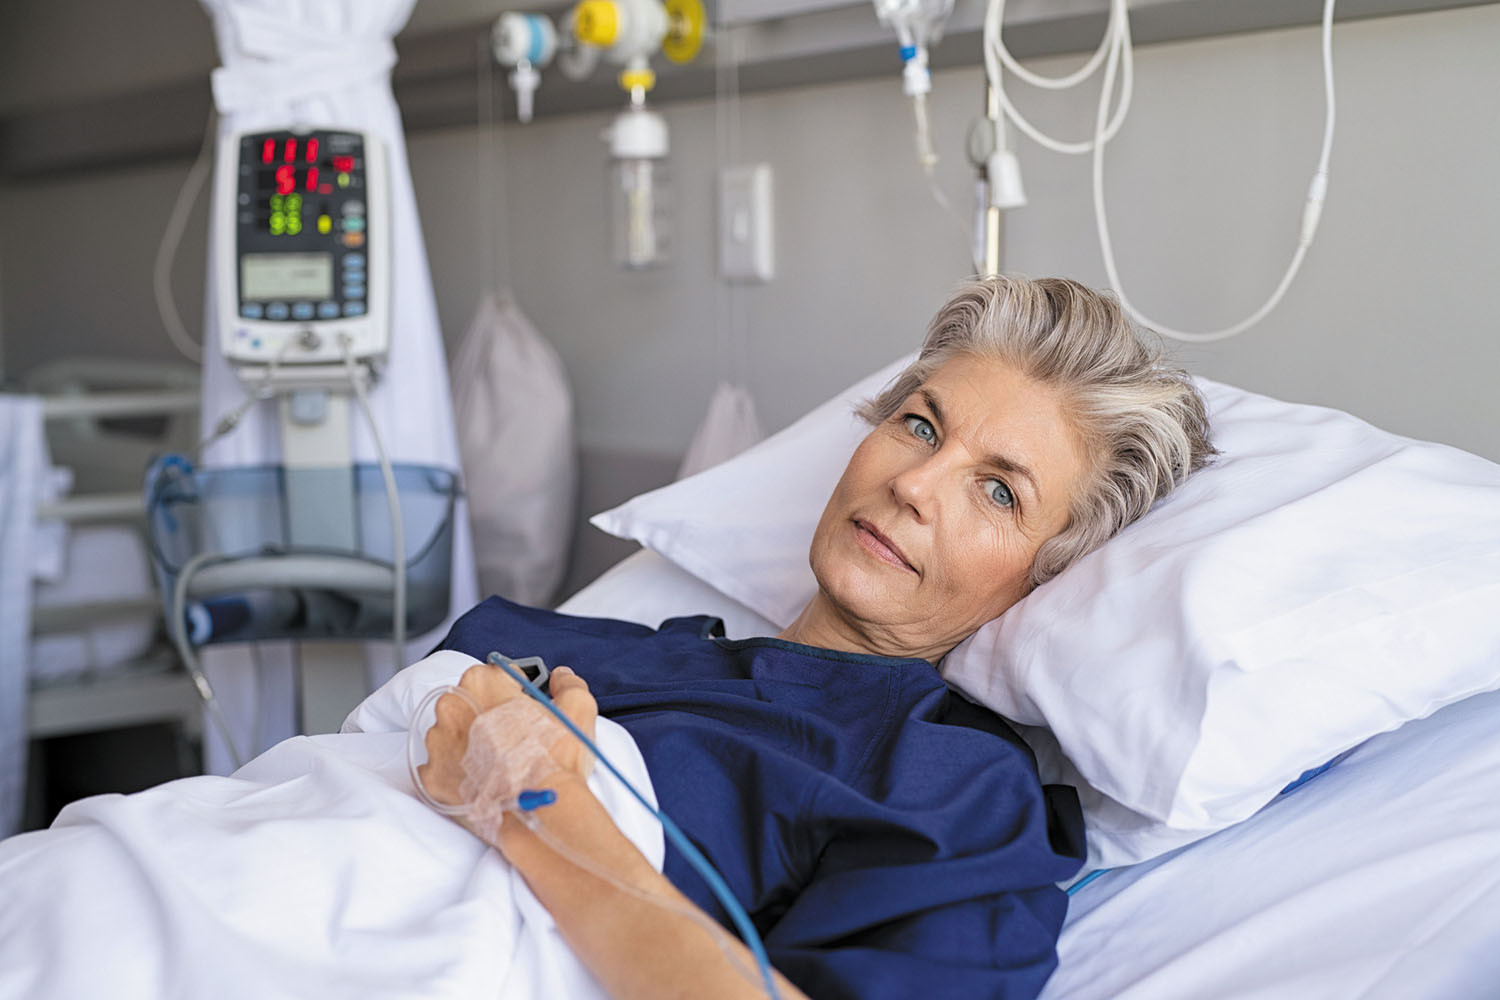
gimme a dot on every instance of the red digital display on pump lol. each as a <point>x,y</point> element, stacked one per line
<point>310,183</point>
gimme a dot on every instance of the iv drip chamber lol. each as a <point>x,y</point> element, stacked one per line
<point>639,193</point>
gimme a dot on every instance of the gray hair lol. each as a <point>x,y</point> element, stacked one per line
<point>1142,423</point>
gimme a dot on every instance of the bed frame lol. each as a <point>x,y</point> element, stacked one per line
<point>153,687</point>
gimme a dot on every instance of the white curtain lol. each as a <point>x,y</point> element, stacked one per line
<point>326,63</point>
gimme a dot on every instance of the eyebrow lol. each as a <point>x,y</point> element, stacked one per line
<point>1001,462</point>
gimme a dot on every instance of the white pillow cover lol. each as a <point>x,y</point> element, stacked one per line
<point>1321,582</point>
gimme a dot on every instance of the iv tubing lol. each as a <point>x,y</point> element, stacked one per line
<point>679,840</point>
<point>692,913</point>
<point>524,812</point>
<point>175,628</point>
<point>393,501</point>
<point>1311,211</point>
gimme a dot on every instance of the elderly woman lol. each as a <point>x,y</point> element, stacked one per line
<point>888,838</point>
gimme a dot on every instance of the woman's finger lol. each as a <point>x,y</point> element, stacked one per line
<point>453,714</point>
<point>489,684</point>
<point>572,696</point>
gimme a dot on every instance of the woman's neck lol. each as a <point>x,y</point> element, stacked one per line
<point>823,624</point>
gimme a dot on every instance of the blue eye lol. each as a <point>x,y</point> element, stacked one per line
<point>1001,493</point>
<point>921,429</point>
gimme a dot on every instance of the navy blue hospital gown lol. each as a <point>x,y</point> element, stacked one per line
<point>888,838</point>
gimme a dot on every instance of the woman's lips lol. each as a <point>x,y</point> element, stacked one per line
<point>880,546</point>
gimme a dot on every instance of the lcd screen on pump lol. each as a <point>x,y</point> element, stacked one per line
<point>267,276</point>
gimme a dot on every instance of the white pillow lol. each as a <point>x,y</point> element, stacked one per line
<point>647,588</point>
<point>1322,582</point>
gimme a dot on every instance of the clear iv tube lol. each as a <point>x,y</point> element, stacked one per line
<point>393,502</point>
<point>679,840</point>
<point>564,850</point>
<point>719,936</point>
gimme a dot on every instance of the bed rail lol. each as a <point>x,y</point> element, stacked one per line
<point>151,687</point>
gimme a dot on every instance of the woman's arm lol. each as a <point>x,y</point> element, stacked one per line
<point>635,946</point>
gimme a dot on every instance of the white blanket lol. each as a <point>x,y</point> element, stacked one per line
<point>313,872</point>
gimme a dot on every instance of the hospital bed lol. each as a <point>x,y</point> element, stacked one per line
<point>97,658</point>
<point>316,871</point>
<point>1379,878</point>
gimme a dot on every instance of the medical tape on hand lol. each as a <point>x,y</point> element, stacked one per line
<point>509,752</point>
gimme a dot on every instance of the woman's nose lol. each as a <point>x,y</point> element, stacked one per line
<point>915,487</point>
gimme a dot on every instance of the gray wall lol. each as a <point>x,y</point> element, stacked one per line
<point>1394,317</point>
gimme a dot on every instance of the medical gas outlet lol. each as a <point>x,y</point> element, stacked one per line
<point>630,32</point>
<point>627,33</point>
<point>526,43</point>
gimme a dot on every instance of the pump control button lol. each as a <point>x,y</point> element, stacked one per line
<point>302,310</point>
<point>354,308</point>
<point>252,310</point>
<point>353,208</point>
<point>328,310</point>
<point>277,310</point>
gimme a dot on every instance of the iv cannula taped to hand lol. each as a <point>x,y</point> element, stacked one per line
<point>506,755</point>
<point>484,799</point>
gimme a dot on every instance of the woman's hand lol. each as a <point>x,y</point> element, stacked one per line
<point>618,925</point>
<point>490,687</point>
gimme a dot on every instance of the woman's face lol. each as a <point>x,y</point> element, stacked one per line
<point>932,530</point>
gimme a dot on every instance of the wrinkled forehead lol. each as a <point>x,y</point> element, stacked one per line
<point>1009,421</point>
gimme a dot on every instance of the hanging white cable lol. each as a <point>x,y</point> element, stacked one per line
<point>1311,211</point>
<point>166,251</point>
<point>1116,43</point>
<point>995,20</point>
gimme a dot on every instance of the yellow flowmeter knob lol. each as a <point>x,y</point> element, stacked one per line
<point>597,22</point>
<point>643,78</point>
<point>685,31</point>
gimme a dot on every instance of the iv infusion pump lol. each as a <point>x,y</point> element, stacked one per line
<point>304,246</point>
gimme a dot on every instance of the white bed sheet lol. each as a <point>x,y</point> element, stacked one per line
<point>1380,878</point>
<point>1377,880</point>
<point>313,872</point>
